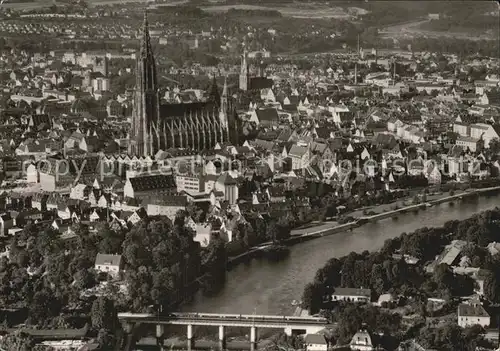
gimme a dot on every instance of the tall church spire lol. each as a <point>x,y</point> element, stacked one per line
<point>146,48</point>
<point>146,98</point>
<point>224,110</point>
<point>224,90</point>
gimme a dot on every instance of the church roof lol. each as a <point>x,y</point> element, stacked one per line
<point>178,110</point>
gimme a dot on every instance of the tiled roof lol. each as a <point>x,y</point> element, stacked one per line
<point>226,179</point>
<point>467,310</point>
<point>317,339</point>
<point>177,201</point>
<point>178,110</point>
<point>258,83</point>
<point>111,260</point>
<point>269,114</point>
<point>152,182</point>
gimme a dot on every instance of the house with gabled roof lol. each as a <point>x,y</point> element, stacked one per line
<point>473,313</point>
<point>137,216</point>
<point>362,341</point>
<point>491,98</point>
<point>316,342</point>
<point>105,200</point>
<point>106,263</point>
<point>300,156</point>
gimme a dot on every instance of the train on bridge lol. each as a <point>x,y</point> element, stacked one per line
<point>219,316</point>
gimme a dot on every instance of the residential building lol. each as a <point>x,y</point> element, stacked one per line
<point>191,184</point>
<point>352,295</point>
<point>470,143</point>
<point>362,341</point>
<point>110,264</point>
<point>473,313</point>
<point>166,206</point>
<point>300,157</point>
<point>316,342</point>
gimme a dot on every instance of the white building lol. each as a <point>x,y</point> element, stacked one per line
<point>362,341</point>
<point>203,234</point>
<point>32,174</point>
<point>473,313</point>
<point>316,342</point>
<point>110,264</point>
<point>351,295</point>
<point>484,131</point>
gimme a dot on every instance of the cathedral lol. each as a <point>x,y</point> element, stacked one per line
<point>158,126</point>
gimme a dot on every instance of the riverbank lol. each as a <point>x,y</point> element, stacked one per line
<point>330,228</point>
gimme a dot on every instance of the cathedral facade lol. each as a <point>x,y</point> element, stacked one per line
<point>157,126</point>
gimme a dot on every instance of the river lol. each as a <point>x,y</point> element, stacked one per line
<point>268,288</point>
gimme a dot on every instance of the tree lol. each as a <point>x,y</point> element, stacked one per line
<point>312,298</point>
<point>451,337</point>
<point>329,275</point>
<point>283,342</point>
<point>272,231</point>
<point>103,314</point>
<point>347,276</point>
<point>377,280</point>
<point>494,146</point>
<point>163,288</point>
<point>105,339</point>
<point>111,241</point>
<point>18,341</point>
<point>84,279</point>
<point>491,288</point>
<point>280,230</point>
<point>214,260</point>
<point>44,307</point>
<point>352,318</point>
<point>443,276</point>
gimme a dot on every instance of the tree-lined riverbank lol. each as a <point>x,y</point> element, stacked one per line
<point>333,227</point>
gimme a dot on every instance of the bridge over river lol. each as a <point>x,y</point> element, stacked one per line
<point>289,324</point>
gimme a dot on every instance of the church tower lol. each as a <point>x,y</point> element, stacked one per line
<point>224,107</point>
<point>224,112</point>
<point>244,72</point>
<point>214,93</point>
<point>146,110</point>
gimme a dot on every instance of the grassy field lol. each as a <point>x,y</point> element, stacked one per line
<point>418,29</point>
